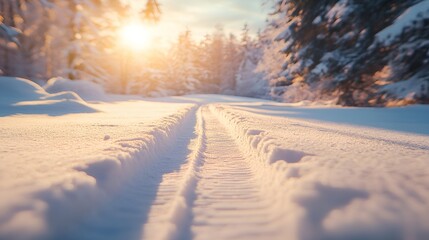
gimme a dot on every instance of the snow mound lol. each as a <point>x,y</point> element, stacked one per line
<point>18,95</point>
<point>14,90</point>
<point>89,91</point>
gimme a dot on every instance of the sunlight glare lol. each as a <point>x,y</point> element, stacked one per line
<point>134,36</point>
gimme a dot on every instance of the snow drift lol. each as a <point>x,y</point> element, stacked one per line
<point>21,96</point>
<point>336,181</point>
<point>59,173</point>
<point>89,91</point>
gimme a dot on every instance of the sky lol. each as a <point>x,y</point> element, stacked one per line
<point>201,17</point>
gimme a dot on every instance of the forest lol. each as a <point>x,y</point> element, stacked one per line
<point>353,53</point>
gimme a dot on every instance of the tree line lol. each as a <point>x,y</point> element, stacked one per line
<point>357,53</point>
<point>212,65</point>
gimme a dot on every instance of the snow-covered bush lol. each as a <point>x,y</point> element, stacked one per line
<point>87,90</point>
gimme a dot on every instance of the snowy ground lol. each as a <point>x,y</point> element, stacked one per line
<point>210,167</point>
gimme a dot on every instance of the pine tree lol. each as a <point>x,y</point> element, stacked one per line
<point>407,58</point>
<point>330,49</point>
<point>248,81</point>
<point>231,64</point>
<point>216,50</point>
<point>245,38</point>
<point>184,78</point>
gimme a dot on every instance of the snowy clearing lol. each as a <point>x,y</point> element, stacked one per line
<point>210,167</point>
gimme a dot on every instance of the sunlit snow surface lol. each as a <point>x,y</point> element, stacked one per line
<point>214,167</point>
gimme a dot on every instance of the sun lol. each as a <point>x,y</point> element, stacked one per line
<point>134,36</point>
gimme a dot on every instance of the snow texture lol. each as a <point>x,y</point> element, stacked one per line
<point>10,33</point>
<point>339,12</point>
<point>407,19</point>
<point>335,181</point>
<point>212,167</point>
<point>415,87</point>
<point>89,91</point>
<point>21,96</point>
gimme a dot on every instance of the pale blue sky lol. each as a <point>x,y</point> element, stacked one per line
<point>201,16</point>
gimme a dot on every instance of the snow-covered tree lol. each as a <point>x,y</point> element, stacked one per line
<point>330,49</point>
<point>231,64</point>
<point>85,30</point>
<point>250,82</point>
<point>216,49</point>
<point>183,65</point>
<point>407,42</point>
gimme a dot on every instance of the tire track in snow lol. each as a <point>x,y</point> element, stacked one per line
<point>229,202</point>
<point>339,169</point>
<point>203,187</point>
<point>142,206</point>
<point>176,225</point>
<point>219,195</point>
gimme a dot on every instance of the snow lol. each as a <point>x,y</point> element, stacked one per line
<point>415,87</point>
<point>317,20</point>
<point>288,44</point>
<point>406,19</point>
<point>210,166</point>
<point>21,96</point>
<point>339,12</point>
<point>89,91</point>
<point>249,82</point>
<point>321,68</point>
<point>336,181</point>
<point>286,33</point>
<point>55,171</point>
<point>10,33</point>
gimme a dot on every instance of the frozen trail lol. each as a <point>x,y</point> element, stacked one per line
<point>215,167</point>
<point>228,173</point>
<point>160,220</point>
<point>229,202</point>
<point>214,195</point>
<point>142,208</point>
